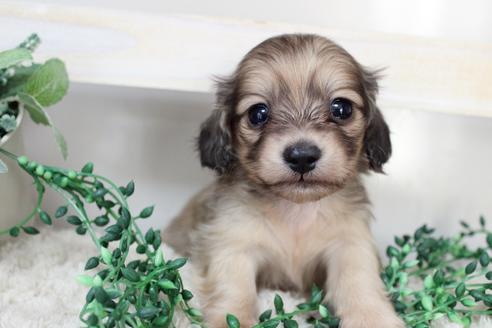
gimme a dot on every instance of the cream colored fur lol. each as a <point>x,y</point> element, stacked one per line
<point>38,287</point>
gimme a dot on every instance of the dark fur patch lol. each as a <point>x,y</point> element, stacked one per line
<point>215,141</point>
<point>377,142</point>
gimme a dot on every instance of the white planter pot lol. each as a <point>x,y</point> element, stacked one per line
<point>16,190</point>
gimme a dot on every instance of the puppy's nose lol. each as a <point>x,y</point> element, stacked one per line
<point>302,156</point>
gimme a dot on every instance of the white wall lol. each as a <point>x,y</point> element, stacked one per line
<point>468,20</point>
<point>439,173</point>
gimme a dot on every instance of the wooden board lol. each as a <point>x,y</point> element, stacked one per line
<point>106,46</point>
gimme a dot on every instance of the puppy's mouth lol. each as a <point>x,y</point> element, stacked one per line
<point>303,182</point>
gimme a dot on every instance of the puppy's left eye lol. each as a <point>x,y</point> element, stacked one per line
<point>341,108</point>
<point>258,114</point>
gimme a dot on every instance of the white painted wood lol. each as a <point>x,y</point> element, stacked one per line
<point>180,52</point>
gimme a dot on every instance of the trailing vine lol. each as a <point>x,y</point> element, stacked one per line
<point>427,276</point>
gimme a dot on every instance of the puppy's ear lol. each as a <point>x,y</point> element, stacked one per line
<point>377,142</point>
<point>215,142</point>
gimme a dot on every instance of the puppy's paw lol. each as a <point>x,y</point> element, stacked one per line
<point>372,319</point>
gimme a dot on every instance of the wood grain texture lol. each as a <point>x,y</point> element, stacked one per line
<point>106,46</point>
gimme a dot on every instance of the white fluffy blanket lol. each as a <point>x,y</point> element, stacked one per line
<point>38,287</point>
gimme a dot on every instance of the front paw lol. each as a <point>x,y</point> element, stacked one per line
<point>371,319</point>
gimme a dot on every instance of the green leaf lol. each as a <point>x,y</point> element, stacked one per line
<point>271,323</point>
<point>316,295</point>
<point>166,284</point>
<point>428,282</point>
<point>60,141</point>
<point>484,259</point>
<point>187,295</point>
<point>265,315</point>
<point>149,236</point>
<point>391,251</point>
<point>438,277</point>
<point>471,267</point>
<point>61,211</point>
<point>81,230</point>
<point>85,280</point>
<point>92,320</point>
<point>130,274</point>
<point>45,218</point>
<point>232,321</point>
<point>49,83</point>
<point>14,232</point>
<point>101,295</point>
<point>16,82</point>
<point>114,229</point>
<point>130,189</point>
<point>279,304</point>
<point>427,302</point>
<point>460,290</point>
<point>91,263</point>
<point>482,221</point>
<point>72,219</point>
<point>101,220</point>
<point>176,264</point>
<point>13,57</point>
<point>158,257</point>
<point>88,168</point>
<point>468,302</point>
<point>304,306</point>
<point>323,311</point>
<point>454,317</point>
<point>410,264</point>
<point>34,108</point>
<point>148,312</point>
<point>30,230</point>
<point>106,255</point>
<point>146,212</point>
<point>141,249</point>
<point>289,323</point>
<point>3,167</point>
<point>489,239</point>
<point>125,214</point>
<point>194,312</point>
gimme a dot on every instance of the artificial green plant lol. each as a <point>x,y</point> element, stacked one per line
<point>31,86</point>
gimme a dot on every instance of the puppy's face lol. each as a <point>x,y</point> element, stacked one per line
<point>298,117</point>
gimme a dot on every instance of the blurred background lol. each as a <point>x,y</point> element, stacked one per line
<point>142,72</point>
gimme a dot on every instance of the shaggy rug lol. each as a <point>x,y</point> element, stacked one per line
<point>38,287</point>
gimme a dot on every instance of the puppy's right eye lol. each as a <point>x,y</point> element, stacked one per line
<point>258,114</point>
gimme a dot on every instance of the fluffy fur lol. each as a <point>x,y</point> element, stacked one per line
<point>262,224</point>
<point>38,287</point>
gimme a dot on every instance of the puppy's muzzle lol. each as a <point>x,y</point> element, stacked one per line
<point>302,156</point>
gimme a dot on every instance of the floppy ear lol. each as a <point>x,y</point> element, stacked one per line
<point>377,142</point>
<point>214,142</point>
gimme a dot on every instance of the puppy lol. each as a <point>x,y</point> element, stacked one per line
<point>293,128</point>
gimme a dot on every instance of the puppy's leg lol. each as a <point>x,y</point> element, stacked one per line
<point>354,286</point>
<point>229,286</point>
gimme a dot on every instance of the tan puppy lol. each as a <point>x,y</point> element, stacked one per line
<point>294,127</point>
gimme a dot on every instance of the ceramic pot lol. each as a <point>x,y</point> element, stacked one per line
<point>16,190</point>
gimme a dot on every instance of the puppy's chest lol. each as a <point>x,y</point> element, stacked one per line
<point>295,228</point>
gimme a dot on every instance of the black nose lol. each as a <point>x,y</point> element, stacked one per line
<point>302,156</point>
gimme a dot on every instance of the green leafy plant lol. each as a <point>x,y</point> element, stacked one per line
<point>447,277</point>
<point>31,86</point>
<point>427,276</point>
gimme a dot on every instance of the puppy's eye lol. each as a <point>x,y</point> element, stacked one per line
<point>341,108</point>
<point>258,114</point>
